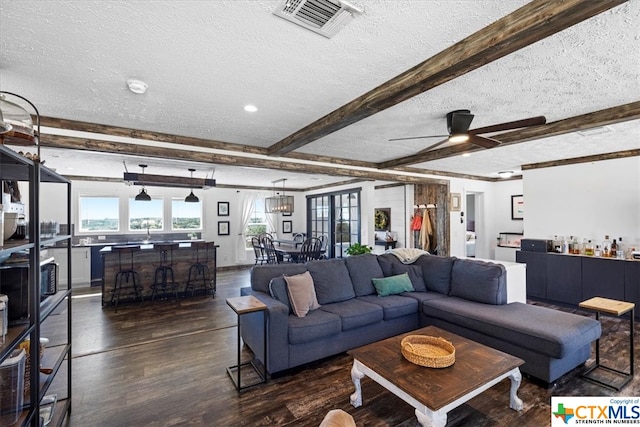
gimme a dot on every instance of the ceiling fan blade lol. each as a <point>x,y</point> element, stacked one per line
<point>517,124</point>
<point>418,137</point>
<point>431,147</point>
<point>460,122</point>
<point>483,141</point>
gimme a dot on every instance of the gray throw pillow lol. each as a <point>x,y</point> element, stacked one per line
<point>331,279</point>
<point>415,275</point>
<point>278,291</point>
<point>363,268</point>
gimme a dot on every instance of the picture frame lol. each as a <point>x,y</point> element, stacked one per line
<point>287,226</point>
<point>517,207</point>
<point>287,214</point>
<point>223,228</point>
<point>223,208</point>
<point>456,202</point>
<point>382,219</point>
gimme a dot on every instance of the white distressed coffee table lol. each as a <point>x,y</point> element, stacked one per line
<point>434,392</point>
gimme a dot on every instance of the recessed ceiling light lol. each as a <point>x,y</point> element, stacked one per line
<point>250,108</point>
<point>505,174</point>
<point>137,86</point>
<point>466,154</point>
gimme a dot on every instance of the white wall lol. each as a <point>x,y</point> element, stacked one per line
<point>587,200</point>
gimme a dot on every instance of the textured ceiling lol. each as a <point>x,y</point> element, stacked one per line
<point>204,60</point>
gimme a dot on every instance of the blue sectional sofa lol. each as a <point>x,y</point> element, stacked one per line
<point>467,297</point>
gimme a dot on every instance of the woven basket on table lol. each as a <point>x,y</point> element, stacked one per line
<point>425,350</point>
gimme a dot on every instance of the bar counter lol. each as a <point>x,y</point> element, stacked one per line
<point>148,258</point>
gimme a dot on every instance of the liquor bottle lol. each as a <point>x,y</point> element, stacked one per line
<point>614,249</point>
<point>588,248</point>
<point>606,246</point>
<point>598,251</point>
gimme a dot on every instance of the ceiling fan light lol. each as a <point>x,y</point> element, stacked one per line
<point>191,198</point>
<point>505,174</point>
<point>142,196</point>
<point>456,138</point>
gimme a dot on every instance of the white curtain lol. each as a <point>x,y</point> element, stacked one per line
<point>247,204</point>
<point>272,220</point>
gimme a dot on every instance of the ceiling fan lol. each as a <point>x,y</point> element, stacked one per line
<point>458,123</point>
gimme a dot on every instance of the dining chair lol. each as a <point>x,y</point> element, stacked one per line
<point>323,248</point>
<point>269,250</point>
<point>298,238</point>
<point>258,251</point>
<point>311,249</point>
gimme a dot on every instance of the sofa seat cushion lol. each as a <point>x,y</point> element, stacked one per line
<point>331,280</point>
<point>355,313</point>
<point>363,268</point>
<point>540,329</point>
<point>314,326</point>
<point>423,296</point>
<point>393,306</point>
<point>479,281</point>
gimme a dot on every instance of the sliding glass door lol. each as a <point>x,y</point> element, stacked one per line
<point>337,217</point>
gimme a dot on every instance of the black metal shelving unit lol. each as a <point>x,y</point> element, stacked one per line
<point>57,355</point>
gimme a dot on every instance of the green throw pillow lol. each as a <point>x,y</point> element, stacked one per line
<point>393,285</point>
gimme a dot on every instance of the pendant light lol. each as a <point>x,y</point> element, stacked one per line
<point>191,198</point>
<point>279,203</point>
<point>142,195</point>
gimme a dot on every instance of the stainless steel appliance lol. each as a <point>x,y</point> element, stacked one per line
<point>14,282</point>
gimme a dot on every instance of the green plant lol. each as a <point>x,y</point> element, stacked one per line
<point>357,249</point>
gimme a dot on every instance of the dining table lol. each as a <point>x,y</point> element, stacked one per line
<point>293,251</point>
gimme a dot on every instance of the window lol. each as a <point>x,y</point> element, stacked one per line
<point>186,216</point>
<point>257,223</point>
<point>143,215</point>
<point>99,214</point>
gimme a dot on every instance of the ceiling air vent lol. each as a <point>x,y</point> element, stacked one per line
<point>324,17</point>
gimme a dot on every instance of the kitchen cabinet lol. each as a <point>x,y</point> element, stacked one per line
<point>564,279</point>
<point>536,272</point>
<point>603,278</point>
<point>56,356</point>
<point>81,266</point>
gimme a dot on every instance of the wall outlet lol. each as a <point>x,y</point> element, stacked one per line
<point>102,237</point>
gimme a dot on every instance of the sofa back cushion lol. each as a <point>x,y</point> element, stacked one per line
<point>386,262</point>
<point>363,268</point>
<point>415,275</point>
<point>261,275</point>
<point>479,281</point>
<point>278,290</point>
<point>436,271</point>
<point>331,279</point>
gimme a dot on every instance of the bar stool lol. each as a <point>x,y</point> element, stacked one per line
<point>164,280</point>
<point>199,275</point>
<point>127,278</point>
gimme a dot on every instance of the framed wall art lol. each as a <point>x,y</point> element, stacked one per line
<point>223,228</point>
<point>382,219</point>
<point>223,208</point>
<point>517,207</point>
<point>286,226</point>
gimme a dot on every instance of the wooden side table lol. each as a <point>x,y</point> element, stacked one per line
<point>614,308</point>
<point>244,305</point>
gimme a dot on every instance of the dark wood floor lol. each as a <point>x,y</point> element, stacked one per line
<point>163,364</point>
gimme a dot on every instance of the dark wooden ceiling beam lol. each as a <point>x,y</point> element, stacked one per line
<point>584,159</point>
<point>84,144</point>
<point>525,26</point>
<point>147,135</point>
<point>608,116</point>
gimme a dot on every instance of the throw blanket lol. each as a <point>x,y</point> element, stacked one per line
<point>407,255</point>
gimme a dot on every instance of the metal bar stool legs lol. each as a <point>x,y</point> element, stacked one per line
<point>164,281</point>
<point>199,274</point>
<point>127,281</point>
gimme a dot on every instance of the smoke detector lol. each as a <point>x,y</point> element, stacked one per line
<point>324,17</point>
